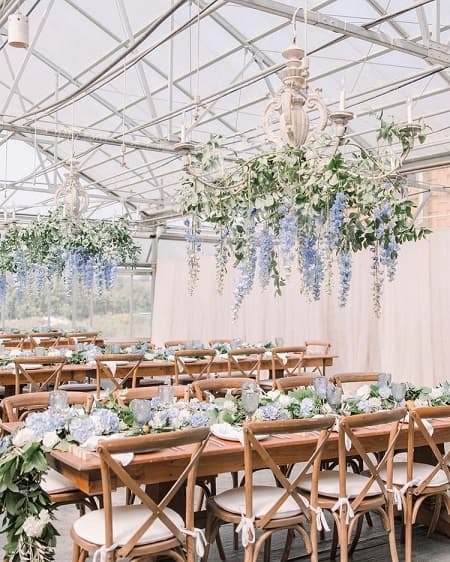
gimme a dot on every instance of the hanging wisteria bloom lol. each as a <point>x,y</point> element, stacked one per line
<point>266,246</point>
<point>345,276</point>
<point>288,237</point>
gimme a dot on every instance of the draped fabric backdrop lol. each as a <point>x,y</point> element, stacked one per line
<point>411,339</point>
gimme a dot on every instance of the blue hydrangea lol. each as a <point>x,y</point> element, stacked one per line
<point>364,406</point>
<point>4,443</point>
<point>42,422</point>
<point>306,407</point>
<point>105,421</point>
<point>199,419</point>
<point>272,412</point>
<point>81,429</point>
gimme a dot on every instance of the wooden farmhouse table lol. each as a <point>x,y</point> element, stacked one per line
<point>220,456</point>
<point>159,369</point>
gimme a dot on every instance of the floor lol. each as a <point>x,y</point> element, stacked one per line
<point>372,547</point>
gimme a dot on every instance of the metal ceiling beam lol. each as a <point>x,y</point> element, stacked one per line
<point>331,23</point>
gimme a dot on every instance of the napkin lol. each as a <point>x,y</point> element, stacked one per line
<point>112,366</point>
<point>91,444</point>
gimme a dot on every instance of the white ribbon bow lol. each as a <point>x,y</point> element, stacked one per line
<point>397,496</point>
<point>428,426</point>
<point>100,554</point>
<point>321,521</point>
<point>199,538</point>
<point>348,441</point>
<point>410,484</point>
<point>340,505</point>
<point>247,528</point>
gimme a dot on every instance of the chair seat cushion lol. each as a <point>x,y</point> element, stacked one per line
<point>264,497</point>
<point>126,520</point>
<point>420,471</point>
<point>329,484</point>
<point>53,483</point>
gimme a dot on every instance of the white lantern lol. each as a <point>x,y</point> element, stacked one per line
<point>18,30</point>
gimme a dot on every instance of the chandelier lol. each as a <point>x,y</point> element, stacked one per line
<point>312,201</point>
<point>71,196</point>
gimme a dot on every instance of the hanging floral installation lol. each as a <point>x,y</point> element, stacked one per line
<point>310,207</point>
<point>57,246</point>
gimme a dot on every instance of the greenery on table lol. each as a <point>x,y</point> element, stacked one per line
<point>59,247</point>
<point>310,207</point>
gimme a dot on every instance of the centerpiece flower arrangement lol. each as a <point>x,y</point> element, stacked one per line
<point>60,247</point>
<point>311,207</point>
<point>368,399</point>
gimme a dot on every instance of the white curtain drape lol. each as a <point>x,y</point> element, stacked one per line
<point>410,339</point>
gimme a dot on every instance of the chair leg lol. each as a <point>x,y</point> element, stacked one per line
<point>334,542</point>
<point>76,552</point>
<point>267,549</point>
<point>287,545</point>
<point>435,518</point>
<point>391,532</point>
<point>408,527</point>
<point>356,536</point>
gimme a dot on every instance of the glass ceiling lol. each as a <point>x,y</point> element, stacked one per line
<point>56,100</point>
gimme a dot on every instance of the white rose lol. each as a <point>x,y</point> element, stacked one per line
<point>284,400</point>
<point>15,353</point>
<point>420,403</point>
<point>375,403</point>
<point>436,392</point>
<point>229,405</point>
<point>50,439</point>
<point>24,437</point>
<point>363,392</point>
<point>33,526</point>
<point>69,353</point>
<point>273,394</point>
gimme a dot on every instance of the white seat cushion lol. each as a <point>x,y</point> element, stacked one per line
<point>264,497</point>
<point>329,484</point>
<point>126,520</point>
<point>420,470</point>
<point>53,483</point>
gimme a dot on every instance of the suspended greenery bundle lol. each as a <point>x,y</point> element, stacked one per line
<point>74,249</point>
<point>311,207</point>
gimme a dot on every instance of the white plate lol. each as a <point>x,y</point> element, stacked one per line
<point>231,432</point>
<point>189,359</point>
<point>121,362</point>
<point>32,366</point>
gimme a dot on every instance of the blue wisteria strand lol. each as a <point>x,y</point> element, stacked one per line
<point>345,276</point>
<point>21,275</point>
<point>288,236</point>
<point>3,287</point>
<point>311,264</point>
<point>246,268</point>
<point>266,246</point>
<point>194,246</point>
<point>222,258</point>
<point>334,233</point>
<point>378,277</point>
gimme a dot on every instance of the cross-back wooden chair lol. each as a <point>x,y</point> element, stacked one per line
<point>177,343</point>
<point>245,362</point>
<point>317,346</point>
<point>16,408</point>
<point>280,357</point>
<point>291,383</point>
<point>418,481</point>
<point>126,395</point>
<point>217,387</point>
<point>340,379</point>
<point>13,340</point>
<point>60,489</point>
<point>193,371</point>
<point>44,339</point>
<point>349,496</point>
<point>150,528</point>
<point>48,373</point>
<point>121,375</point>
<point>270,508</point>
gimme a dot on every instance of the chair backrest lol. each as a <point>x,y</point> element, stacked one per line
<point>288,359</point>
<point>124,396</point>
<point>13,340</point>
<point>256,451</point>
<point>44,339</point>
<point>246,361</point>
<point>419,426</point>
<point>196,439</point>
<point>339,379</point>
<point>211,343</point>
<point>350,439</point>
<point>81,337</point>
<point>120,368</point>
<point>48,373</point>
<point>291,383</point>
<point>217,387</point>
<point>198,369</point>
<point>16,408</point>
<point>317,347</point>
<point>176,343</point>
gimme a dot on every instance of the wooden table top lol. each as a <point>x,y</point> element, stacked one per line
<point>165,368</point>
<point>222,456</point>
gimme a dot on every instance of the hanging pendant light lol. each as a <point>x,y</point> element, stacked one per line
<point>18,31</point>
<point>71,195</point>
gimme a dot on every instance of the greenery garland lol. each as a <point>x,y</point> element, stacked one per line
<point>310,207</point>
